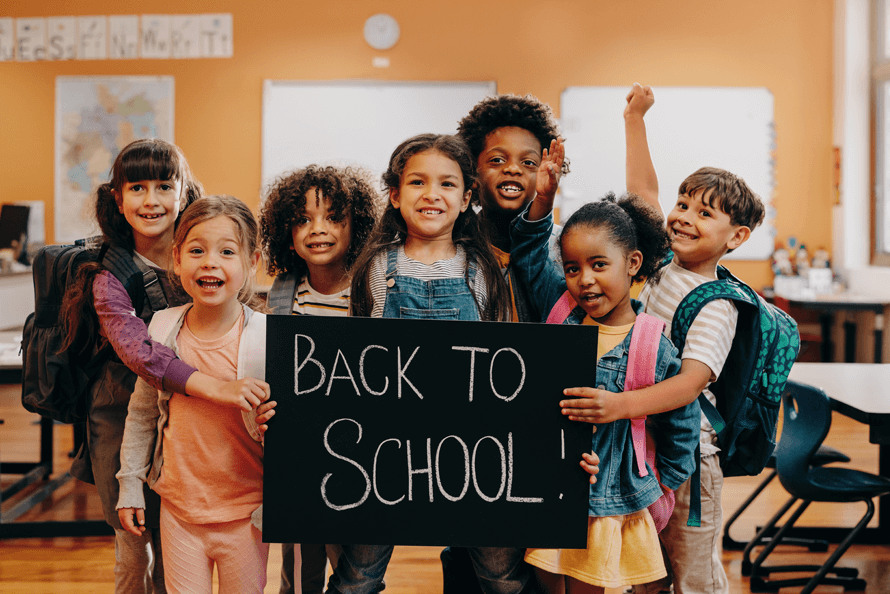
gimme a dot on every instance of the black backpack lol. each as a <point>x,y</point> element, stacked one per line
<point>55,383</point>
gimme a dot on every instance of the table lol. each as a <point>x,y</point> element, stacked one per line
<point>864,308</point>
<point>860,391</point>
<point>36,472</point>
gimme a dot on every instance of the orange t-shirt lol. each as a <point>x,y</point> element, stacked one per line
<point>503,259</point>
<point>213,469</point>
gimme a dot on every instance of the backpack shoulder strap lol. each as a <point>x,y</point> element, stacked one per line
<point>124,265</point>
<point>252,361</point>
<point>253,340</point>
<point>641,360</point>
<point>283,293</point>
<point>561,309</point>
<point>723,288</point>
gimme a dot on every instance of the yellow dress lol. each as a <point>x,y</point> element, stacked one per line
<point>621,550</point>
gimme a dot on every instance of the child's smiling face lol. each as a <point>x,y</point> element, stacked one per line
<point>151,208</point>
<point>701,233</point>
<point>599,274</point>
<point>431,195</point>
<point>211,264</point>
<point>508,169</point>
<point>320,238</point>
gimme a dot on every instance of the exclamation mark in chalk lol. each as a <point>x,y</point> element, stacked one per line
<point>562,439</point>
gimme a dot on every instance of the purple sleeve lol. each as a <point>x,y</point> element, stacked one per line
<point>152,361</point>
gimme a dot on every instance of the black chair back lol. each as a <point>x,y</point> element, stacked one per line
<point>806,421</point>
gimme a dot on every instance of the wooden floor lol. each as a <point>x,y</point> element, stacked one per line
<point>81,565</point>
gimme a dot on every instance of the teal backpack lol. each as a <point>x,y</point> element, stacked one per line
<point>750,385</point>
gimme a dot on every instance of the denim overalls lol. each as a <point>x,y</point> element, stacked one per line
<point>360,570</point>
<point>438,299</point>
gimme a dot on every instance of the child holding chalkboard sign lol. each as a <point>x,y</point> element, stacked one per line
<point>204,459</point>
<point>606,246</point>
<point>314,222</point>
<point>429,258</point>
<point>427,238</point>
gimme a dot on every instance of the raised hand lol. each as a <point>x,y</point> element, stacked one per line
<point>550,170</point>
<point>639,100</point>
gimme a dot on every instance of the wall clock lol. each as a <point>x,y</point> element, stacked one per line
<point>381,31</point>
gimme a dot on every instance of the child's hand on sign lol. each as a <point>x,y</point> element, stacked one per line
<point>593,405</point>
<point>134,525</point>
<point>264,412</point>
<point>591,463</point>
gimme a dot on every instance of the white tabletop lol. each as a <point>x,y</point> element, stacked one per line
<point>864,386</point>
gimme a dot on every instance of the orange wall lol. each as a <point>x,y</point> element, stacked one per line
<point>527,47</point>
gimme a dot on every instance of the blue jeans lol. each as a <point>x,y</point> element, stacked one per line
<point>500,570</point>
<point>360,569</point>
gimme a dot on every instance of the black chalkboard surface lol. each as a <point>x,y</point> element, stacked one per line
<point>425,432</point>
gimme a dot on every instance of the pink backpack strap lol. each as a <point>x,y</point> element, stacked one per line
<point>641,360</point>
<point>561,309</point>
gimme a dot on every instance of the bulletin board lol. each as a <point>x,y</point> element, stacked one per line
<point>356,122</point>
<point>688,128</point>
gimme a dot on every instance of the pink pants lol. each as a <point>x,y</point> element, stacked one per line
<point>191,550</point>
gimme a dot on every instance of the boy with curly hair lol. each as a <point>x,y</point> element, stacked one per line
<point>314,222</point>
<point>507,135</point>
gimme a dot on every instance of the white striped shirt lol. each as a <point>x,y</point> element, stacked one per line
<point>710,335</point>
<point>308,301</point>
<point>451,268</point>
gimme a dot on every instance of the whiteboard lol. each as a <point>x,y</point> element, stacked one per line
<point>356,122</point>
<point>688,128</point>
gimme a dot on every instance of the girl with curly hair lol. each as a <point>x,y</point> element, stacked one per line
<point>314,222</point>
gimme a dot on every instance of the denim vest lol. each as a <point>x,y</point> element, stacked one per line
<point>438,299</point>
<point>619,489</point>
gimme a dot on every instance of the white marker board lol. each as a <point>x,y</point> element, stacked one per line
<point>688,128</point>
<point>356,122</point>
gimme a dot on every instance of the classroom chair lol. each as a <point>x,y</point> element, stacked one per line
<point>807,419</point>
<point>824,455</point>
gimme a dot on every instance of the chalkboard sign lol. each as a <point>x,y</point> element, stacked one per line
<point>425,432</point>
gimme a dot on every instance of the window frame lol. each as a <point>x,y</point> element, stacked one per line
<point>880,133</point>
